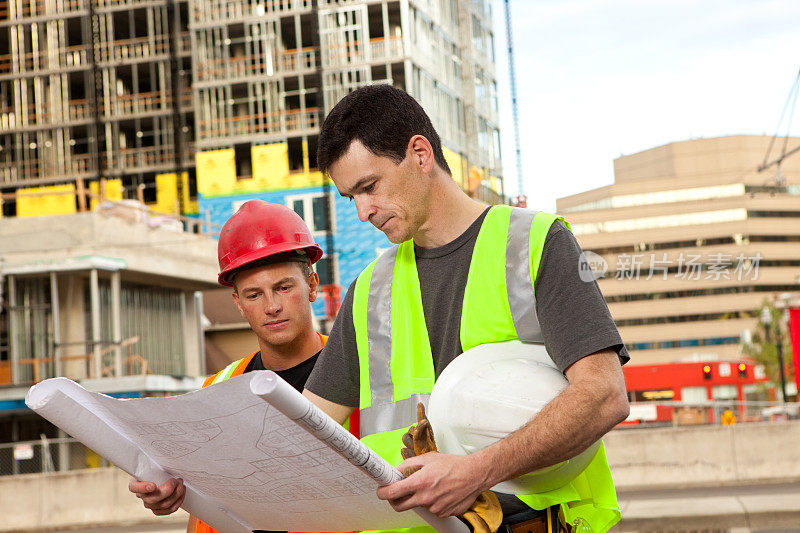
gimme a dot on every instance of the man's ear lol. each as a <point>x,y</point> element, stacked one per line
<point>313,285</point>
<point>235,295</point>
<point>421,152</point>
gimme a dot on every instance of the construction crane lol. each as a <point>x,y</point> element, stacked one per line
<point>520,200</point>
<point>791,101</point>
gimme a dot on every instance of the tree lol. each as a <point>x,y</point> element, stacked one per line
<point>762,347</point>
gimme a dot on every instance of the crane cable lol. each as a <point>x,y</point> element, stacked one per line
<point>790,104</point>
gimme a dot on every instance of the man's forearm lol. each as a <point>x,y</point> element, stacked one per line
<point>334,410</point>
<point>585,411</point>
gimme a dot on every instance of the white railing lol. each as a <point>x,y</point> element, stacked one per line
<point>137,48</point>
<point>72,56</point>
<point>222,10</point>
<point>239,67</point>
<point>260,123</point>
<point>712,412</point>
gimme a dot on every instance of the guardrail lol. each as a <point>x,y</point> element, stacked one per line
<point>712,412</point>
<point>107,361</point>
<point>46,455</point>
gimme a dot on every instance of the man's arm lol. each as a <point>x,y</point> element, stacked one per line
<point>334,410</point>
<point>593,403</point>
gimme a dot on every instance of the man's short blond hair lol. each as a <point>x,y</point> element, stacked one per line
<point>289,257</point>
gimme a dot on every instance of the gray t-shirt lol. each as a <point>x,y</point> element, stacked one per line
<point>572,313</point>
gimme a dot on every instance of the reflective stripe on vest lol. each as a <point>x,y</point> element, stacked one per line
<point>226,372</point>
<point>395,384</point>
<point>521,298</point>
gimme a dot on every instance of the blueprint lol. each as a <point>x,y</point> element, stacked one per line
<point>253,454</point>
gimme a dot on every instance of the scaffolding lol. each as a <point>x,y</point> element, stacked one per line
<point>92,90</point>
<point>129,90</point>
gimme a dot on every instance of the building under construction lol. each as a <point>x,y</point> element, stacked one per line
<point>140,92</point>
<point>266,74</point>
<point>191,107</point>
<point>92,90</point>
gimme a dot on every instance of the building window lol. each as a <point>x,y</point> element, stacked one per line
<point>311,208</point>
<point>724,392</point>
<point>323,268</point>
<point>694,394</point>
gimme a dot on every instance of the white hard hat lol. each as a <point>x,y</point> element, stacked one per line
<point>490,391</point>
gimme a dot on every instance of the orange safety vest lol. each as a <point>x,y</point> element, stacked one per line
<point>195,524</point>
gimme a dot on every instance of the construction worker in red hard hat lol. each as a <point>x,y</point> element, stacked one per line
<point>266,254</point>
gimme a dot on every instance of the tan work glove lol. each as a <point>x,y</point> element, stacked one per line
<point>485,514</point>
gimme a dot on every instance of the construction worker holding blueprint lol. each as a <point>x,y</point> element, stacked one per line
<point>465,276</point>
<point>266,253</point>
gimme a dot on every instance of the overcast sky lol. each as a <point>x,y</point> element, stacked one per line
<point>597,79</point>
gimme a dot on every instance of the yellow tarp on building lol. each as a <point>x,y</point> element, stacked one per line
<point>113,191</point>
<point>216,172</point>
<point>476,176</point>
<point>456,164</point>
<point>270,165</point>
<point>494,184</point>
<point>32,203</point>
<point>166,193</point>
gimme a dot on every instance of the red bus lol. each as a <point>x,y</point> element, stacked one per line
<point>704,391</point>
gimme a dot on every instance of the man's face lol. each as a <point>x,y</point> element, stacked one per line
<point>392,197</point>
<point>274,299</point>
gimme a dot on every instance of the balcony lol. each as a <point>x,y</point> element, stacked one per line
<point>106,359</point>
<point>386,49</point>
<point>148,157</point>
<point>128,105</point>
<point>353,52</point>
<point>74,111</point>
<point>119,106</point>
<point>72,56</point>
<point>273,123</point>
<point>20,10</point>
<point>296,60</point>
<point>76,165</point>
<point>220,12</point>
<point>244,67</point>
<point>133,49</point>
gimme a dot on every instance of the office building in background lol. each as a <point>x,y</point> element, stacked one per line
<point>691,239</point>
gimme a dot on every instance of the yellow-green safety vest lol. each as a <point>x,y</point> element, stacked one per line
<point>394,352</point>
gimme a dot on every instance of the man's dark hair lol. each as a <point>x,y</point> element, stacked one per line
<point>383,118</point>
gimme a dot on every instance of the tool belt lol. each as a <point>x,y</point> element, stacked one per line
<point>545,521</point>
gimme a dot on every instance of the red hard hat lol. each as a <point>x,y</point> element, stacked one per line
<point>260,229</point>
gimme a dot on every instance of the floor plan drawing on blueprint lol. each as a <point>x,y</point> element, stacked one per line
<point>252,451</point>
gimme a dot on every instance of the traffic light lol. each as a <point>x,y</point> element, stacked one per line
<point>742,370</point>
<point>706,371</point>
